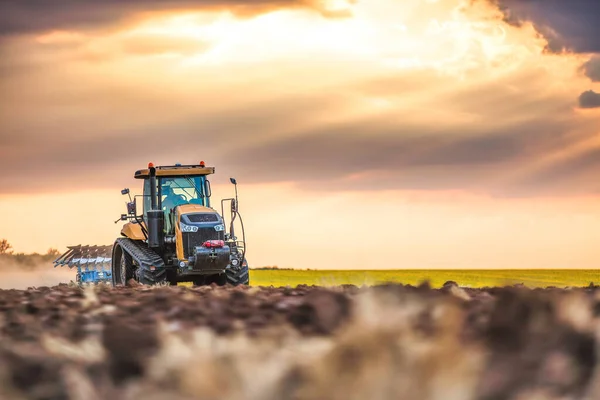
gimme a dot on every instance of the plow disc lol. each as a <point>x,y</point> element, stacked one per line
<point>93,263</point>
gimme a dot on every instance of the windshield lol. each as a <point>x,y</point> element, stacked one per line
<point>176,191</point>
<point>182,190</point>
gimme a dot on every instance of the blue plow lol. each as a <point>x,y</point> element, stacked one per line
<point>93,263</point>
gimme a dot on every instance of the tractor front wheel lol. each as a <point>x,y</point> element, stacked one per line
<point>238,276</point>
<point>153,277</point>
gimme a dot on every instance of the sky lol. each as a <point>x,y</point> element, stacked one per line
<point>363,134</point>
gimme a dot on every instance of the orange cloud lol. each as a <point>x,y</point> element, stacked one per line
<point>425,94</point>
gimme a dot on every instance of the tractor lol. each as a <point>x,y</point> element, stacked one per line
<point>178,237</point>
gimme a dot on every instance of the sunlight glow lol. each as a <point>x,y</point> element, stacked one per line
<point>444,35</point>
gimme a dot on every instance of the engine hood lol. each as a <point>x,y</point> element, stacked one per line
<point>194,208</point>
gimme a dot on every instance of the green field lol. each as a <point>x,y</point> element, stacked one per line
<point>436,278</point>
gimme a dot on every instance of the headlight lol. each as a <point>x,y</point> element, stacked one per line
<point>187,228</point>
<point>219,227</point>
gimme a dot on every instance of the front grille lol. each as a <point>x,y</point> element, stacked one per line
<point>193,239</point>
<point>202,217</point>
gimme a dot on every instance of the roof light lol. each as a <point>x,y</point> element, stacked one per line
<point>150,165</point>
<point>178,164</point>
<point>202,164</point>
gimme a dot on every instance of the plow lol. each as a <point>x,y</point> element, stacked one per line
<point>93,263</point>
<point>176,237</point>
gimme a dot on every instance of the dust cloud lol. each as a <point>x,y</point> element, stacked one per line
<point>14,276</point>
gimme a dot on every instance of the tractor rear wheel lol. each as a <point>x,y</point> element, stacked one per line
<point>238,276</point>
<point>122,267</point>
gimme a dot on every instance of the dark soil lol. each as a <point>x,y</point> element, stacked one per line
<point>67,343</point>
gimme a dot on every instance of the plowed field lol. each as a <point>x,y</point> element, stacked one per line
<point>382,342</point>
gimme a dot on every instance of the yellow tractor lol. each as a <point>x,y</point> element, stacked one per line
<point>178,237</point>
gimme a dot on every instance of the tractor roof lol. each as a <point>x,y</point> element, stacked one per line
<point>176,170</point>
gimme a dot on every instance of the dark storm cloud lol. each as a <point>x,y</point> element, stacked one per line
<point>592,68</point>
<point>589,99</point>
<point>571,24</point>
<point>25,16</point>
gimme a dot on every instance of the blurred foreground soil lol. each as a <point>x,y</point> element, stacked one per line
<point>381,342</point>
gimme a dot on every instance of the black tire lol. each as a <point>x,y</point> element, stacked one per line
<point>122,267</point>
<point>156,277</point>
<point>238,276</point>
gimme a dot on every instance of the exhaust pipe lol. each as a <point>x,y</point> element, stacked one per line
<point>153,197</point>
<point>156,217</point>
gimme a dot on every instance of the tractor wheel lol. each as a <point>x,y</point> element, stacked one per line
<point>156,277</point>
<point>122,267</point>
<point>238,276</point>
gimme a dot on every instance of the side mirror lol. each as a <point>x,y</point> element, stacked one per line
<point>131,207</point>
<point>125,191</point>
<point>123,217</point>
<point>232,180</point>
<point>207,190</point>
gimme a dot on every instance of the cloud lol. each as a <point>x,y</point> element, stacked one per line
<point>468,103</point>
<point>274,141</point>
<point>26,16</point>
<point>368,156</point>
<point>592,68</point>
<point>569,24</point>
<point>160,45</point>
<point>589,99</point>
<point>576,173</point>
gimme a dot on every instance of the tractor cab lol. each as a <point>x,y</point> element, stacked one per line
<point>176,185</point>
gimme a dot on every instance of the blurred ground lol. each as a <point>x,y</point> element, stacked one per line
<point>383,342</point>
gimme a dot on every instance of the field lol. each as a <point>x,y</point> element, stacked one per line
<point>436,278</point>
<point>305,335</point>
<point>306,343</point>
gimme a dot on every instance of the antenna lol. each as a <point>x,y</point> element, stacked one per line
<point>232,180</point>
